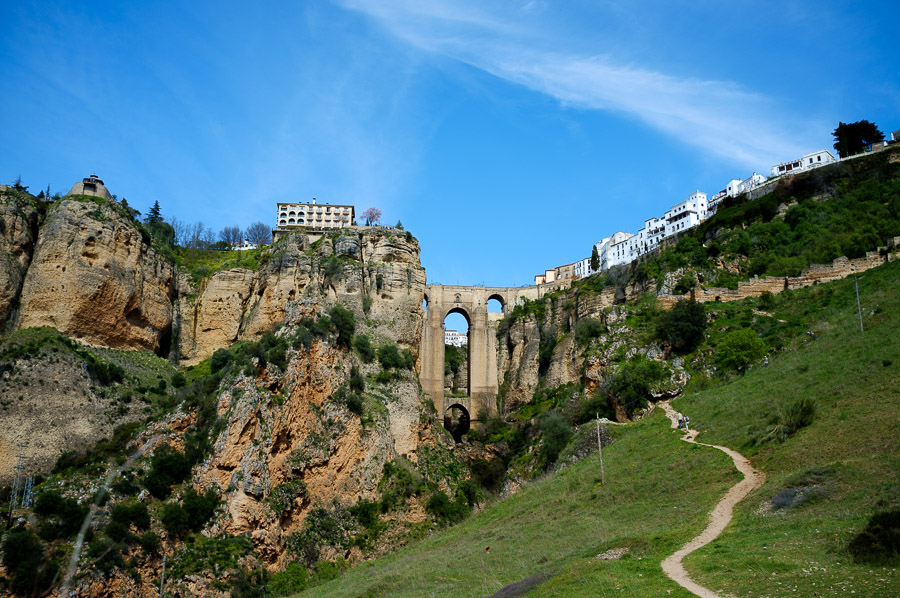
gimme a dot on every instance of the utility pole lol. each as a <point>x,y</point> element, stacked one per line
<point>162,577</point>
<point>858,308</point>
<point>600,451</point>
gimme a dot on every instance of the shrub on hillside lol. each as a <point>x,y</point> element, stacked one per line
<point>632,384</point>
<point>683,326</point>
<point>392,358</point>
<point>879,542</point>
<point>167,467</point>
<point>199,507</point>
<point>789,420</point>
<point>220,359</point>
<point>174,519</point>
<point>178,380</point>
<point>26,565</point>
<point>596,405</point>
<point>344,325</point>
<point>357,382</point>
<point>489,473</point>
<point>556,434</point>
<point>364,347</point>
<point>445,510</point>
<point>739,349</point>
<point>66,511</point>
<point>587,330</point>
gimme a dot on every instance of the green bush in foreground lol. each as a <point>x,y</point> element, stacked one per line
<point>879,543</point>
<point>24,559</point>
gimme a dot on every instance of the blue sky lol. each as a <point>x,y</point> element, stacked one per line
<point>507,138</point>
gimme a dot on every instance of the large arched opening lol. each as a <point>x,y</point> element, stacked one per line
<point>457,421</point>
<point>495,304</point>
<point>457,381</point>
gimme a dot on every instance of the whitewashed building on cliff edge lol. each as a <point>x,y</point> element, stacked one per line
<point>315,216</point>
<point>811,160</point>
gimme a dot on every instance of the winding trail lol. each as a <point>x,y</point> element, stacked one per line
<point>720,516</point>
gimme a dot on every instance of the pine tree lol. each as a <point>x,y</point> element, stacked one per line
<point>154,216</point>
<point>595,260</point>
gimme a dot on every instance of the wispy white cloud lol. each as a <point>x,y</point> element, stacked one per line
<point>721,118</point>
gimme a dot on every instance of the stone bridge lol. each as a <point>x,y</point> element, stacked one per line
<point>472,303</point>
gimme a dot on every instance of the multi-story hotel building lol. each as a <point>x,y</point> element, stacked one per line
<point>314,216</point>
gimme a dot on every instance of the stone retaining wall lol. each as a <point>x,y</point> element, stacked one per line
<point>840,268</point>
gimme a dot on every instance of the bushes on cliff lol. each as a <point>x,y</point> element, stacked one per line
<point>349,399</point>
<point>220,359</point>
<point>196,509</point>
<point>587,330</point>
<point>398,482</point>
<point>30,572</point>
<point>275,349</point>
<point>683,326</point>
<point>556,434</point>
<point>633,382</point>
<point>67,513</point>
<point>344,323</point>
<point>167,467</point>
<point>322,528</point>
<point>364,347</point>
<point>122,517</point>
<point>390,357</point>
<point>445,510</point>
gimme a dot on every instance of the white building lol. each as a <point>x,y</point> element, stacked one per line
<point>455,338</point>
<point>687,214</point>
<point>314,216</point>
<point>583,268</point>
<point>613,250</point>
<point>734,188</point>
<point>244,246</point>
<point>813,160</point>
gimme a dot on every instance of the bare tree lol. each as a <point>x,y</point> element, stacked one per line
<point>182,231</point>
<point>259,234</point>
<point>208,238</point>
<point>232,236</point>
<point>195,235</point>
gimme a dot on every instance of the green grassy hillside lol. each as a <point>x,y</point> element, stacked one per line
<point>833,475</point>
<point>657,494</point>
<point>788,538</point>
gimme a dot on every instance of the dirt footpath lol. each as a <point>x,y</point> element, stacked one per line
<point>720,516</point>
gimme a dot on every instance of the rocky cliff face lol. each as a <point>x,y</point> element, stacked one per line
<point>19,217</point>
<point>522,371</point>
<point>374,273</point>
<point>93,277</point>
<point>87,270</point>
<point>290,447</point>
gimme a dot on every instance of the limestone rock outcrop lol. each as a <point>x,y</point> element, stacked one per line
<point>19,217</point>
<point>374,273</point>
<point>291,448</point>
<point>93,277</point>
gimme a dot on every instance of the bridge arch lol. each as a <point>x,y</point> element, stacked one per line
<point>457,421</point>
<point>472,303</point>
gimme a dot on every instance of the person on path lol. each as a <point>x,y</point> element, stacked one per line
<point>687,423</point>
<point>680,419</point>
